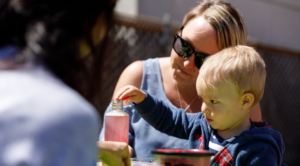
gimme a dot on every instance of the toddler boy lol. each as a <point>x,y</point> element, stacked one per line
<point>230,83</point>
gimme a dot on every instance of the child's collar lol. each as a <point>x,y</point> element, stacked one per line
<point>261,124</point>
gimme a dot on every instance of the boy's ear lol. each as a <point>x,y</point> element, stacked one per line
<point>247,99</point>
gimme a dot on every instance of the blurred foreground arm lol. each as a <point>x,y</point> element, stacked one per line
<point>114,153</point>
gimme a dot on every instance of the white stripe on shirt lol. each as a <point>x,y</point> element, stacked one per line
<point>215,146</point>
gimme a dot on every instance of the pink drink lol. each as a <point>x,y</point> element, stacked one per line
<point>116,123</point>
<point>116,128</point>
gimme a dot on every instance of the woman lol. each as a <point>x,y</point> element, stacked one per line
<point>208,28</point>
<point>47,69</point>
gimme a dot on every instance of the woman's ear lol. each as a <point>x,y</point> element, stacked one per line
<point>248,100</point>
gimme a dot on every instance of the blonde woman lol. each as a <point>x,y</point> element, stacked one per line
<point>208,28</point>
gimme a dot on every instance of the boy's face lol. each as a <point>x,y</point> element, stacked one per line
<point>222,106</point>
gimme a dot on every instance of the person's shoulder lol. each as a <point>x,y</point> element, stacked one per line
<point>42,100</point>
<point>39,90</point>
<point>262,134</point>
<point>257,142</point>
<point>66,102</point>
<point>164,60</point>
<point>258,151</point>
<point>262,144</point>
<point>131,75</point>
<point>135,69</point>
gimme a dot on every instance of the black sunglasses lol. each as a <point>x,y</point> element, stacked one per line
<point>184,49</point>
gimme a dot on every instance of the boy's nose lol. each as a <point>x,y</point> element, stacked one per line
<point>204,107</point>
<point>206,111</point>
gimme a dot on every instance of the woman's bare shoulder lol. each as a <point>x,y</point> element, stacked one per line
<point>164,60</point>
<point>131,75</point>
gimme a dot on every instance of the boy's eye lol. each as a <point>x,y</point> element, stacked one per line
<point>214,101</point>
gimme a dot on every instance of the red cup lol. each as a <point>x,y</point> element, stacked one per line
<point>182,157</point>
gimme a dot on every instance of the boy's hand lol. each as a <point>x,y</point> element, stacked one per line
<point>131,93</point>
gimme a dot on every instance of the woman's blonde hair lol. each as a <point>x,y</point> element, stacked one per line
<point>224,18</point>
<point>240,66</point>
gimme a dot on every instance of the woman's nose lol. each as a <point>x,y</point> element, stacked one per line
<point>189,62</point>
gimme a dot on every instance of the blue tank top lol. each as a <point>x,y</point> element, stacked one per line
<point>142,136</point>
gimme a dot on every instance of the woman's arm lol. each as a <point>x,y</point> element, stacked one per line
<point>256,113</point>
<point>132,75</point>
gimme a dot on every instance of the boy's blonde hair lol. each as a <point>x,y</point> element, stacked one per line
<point>240,66</point>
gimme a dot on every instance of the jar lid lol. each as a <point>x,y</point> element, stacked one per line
<point>117,104</point>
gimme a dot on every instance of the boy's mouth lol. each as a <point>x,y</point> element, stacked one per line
<point>209,120</point>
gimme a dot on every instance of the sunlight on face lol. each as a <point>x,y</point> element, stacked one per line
<point>221,106</point>
<point>203,38</point>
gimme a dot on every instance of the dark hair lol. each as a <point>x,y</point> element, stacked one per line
<point>50,31</point>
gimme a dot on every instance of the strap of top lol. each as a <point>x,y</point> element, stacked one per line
<point>152,81</point>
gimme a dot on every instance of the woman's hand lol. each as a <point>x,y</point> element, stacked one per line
<point>114,153</point>
<point>131,93</point>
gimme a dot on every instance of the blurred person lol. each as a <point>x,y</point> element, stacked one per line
<point>209,27</point>
<point>48,73</point>
<point>230,83</point>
